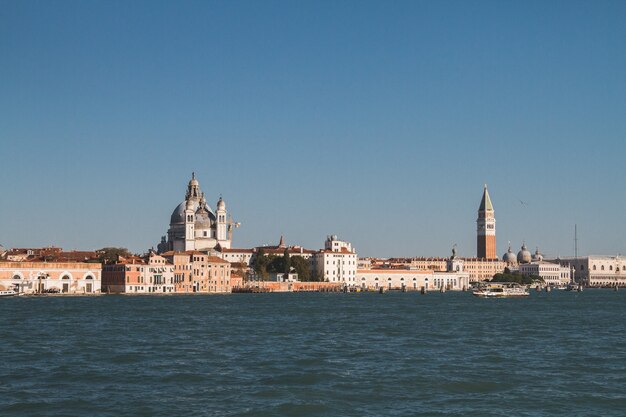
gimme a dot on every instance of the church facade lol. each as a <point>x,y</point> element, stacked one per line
<point>195,226</point>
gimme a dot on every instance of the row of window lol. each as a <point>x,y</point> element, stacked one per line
<point>16,276</point>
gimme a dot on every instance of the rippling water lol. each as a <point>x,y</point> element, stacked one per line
<point>314,355</point>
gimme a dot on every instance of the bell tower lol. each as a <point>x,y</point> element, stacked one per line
<point>486,228</point>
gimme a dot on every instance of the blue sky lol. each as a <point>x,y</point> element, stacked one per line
<point>376,121</point>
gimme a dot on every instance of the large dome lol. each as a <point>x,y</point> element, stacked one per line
<point>524,256</point>
<point>178,215</point>
<point>509,256</point>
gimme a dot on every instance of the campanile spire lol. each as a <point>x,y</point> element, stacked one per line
<point>486,228</point>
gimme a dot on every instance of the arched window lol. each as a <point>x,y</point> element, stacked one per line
<point>602,267</point>
<point>594,268</point>
<point>610,267</point>
<point>16,276</point>
<point>65,277</point>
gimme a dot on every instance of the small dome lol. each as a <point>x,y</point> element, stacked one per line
<point>524,256</point>
<point>509,256</point>
<point>538,256</point>
<point>221,205</point>
<point>193,181</point>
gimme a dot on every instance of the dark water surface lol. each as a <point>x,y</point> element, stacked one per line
<point>314,355</point>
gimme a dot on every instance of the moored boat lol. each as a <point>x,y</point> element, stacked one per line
<point>8,293</point>
<point>501,290</point>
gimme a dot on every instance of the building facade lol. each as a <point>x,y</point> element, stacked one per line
<point>337,262</point>
<point>169,273</point>
<point>51,277</point>
<point>552,274</point>
<point>597,271</point>
<point>152,274</point>
<point>411,279</point>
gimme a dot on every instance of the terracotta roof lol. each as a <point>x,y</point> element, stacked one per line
<point>342,251</point>
<point>194,252</point>
<point>216,260</point>
<point>225,250</point>
<point>393,271</point>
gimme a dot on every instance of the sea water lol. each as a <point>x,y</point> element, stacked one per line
<point>314,354</point>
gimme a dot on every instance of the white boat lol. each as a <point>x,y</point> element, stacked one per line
<point>8,293</point>
<point>501,290</point>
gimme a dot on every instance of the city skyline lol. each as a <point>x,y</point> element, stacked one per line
<point>376,122</point>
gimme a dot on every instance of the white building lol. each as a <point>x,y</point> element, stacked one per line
<point>552,273</point>
<point>337,262</point>
<point>278,277</point>
<point>195,226</point>
<point>597,271</point>
<point>45,277</point>
<point>411,279</point>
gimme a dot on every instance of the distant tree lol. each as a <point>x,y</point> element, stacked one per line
<point>275,264</point>
<point>260,264</point>
<point>111,255</point>
<point>286,262</point>
<point>516,277</point>
<point>302,267</point>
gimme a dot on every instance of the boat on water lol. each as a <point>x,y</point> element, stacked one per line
<point>8,293</point>
<point>573,286</point>
<point>501,290</point>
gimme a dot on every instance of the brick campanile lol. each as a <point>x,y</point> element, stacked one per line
<point>486,229</point>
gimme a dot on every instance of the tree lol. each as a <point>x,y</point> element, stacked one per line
<point>260,265</point>
<point>516,277</point>
<point>302,267</point>
<point>286,262</point>
<point>111,255</point>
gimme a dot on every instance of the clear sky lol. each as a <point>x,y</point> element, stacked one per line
<point>376,121</point>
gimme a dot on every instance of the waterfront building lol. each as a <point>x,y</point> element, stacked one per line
<point>195,226</point>
<point>152,274</point>
<point>597,271</point>
<point>404,276</point>
<point>282,277</point>
<point>337,262</point>
<point>481,269</point>
<point>552,273</point>
<point>36,277</point>
<point>411,279</point>
<point>196,271</point>
<point>486,228</point>
<point>236,280</point>
<point>168,273</point>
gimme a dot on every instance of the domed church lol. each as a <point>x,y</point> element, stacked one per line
<point>195,226</point>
